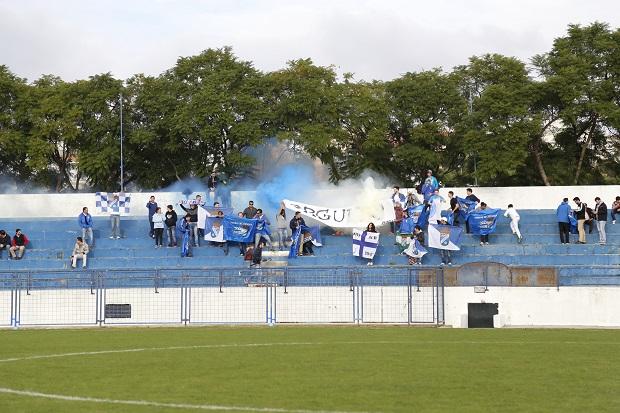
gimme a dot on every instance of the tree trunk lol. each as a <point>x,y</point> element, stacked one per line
<point>539,165</point>
<point>584,147</point>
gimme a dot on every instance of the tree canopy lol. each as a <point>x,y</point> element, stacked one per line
<point>495,120</point>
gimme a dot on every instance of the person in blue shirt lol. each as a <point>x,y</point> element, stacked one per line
<point>431,180</point>
<point>152,207</point>
<point>562,214</point>
<point>86,223</point>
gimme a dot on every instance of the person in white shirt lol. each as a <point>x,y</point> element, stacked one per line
<point>158,227</point>
<point>512,213</point>
<point>435,208</point>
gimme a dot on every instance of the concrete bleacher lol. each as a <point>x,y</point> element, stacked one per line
<point>52,240</point>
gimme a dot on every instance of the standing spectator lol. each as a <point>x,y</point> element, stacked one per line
<point>80,251</point>
<point>185,228</point>
<point>615,209</point>
<point>431,180</point>
<point>435,207</point>
<point>562,215</point>
<point>158,227</point>
<point>600,214</point>
<point>295,223</point>
<point>471,197</point>
<point>86,223</point>
<point>5,240</point>
<point>484,239</point>
<point>212,183</point>
<point>371,228</point>
<point>18,245</point>
<point>241,244</point>
<point>454,208</point>
<point>152,207</point>
<point>250,211</point>
<point>412,200</point>
<point>398,197</point>
<point>171,225</point>
<point>192,212</point>
<point>262,228</point>
<point>115,217</point>
<point>398,216</point>
<point>281,226</point>
<point>512,213</point>
<point>581,216</point>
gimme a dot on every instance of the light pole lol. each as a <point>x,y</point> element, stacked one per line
<point>122,172</point>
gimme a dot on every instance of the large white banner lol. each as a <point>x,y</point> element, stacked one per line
<point>345,217</point>
<point>365,243</point>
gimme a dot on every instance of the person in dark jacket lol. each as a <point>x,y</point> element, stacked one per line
<point>18,245</point>
<point>152,207</point>
<point>600,214</point>
<point>5,240</point>
<point>250,211</point>
<point>580,216</point>
<point>192,211</point>
<point>86,223</point>
<point>470,197</point>
<point>257,255</point>
<point>562,215</point>
<point>171,225</point>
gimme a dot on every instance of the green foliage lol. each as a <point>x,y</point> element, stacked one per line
<point>492,121</point>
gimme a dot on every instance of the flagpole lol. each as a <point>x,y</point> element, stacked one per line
<point>122,172</point>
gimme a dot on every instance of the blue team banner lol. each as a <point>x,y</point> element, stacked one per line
<point>465,207</point>
<point>427,190</point>
<point>573,223</point>
<point>483,221</point>
<point>419,215</point>
<point>406,226</point>
<point>295,242</point>
<point>303,234</point>
<point>239,229</point>
<point>444,237</point>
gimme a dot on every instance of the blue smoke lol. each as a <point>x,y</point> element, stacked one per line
<point>293,181</point>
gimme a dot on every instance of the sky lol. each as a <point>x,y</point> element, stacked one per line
<point>379,40</point>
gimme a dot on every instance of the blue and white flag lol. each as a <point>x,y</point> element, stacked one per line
<point>573,223</point>
<point>450,217</point>
<point>365,243</point>
<point>239,229</point>
<point>465,207</point>
<point>262,227</point>
<point>483,221</point>
<point>419,215</point>
<point>415,249</point>
<point>214,229</point>
<point>406,226</point>
<point>427,190</point>
<point>444,237</point>
<point>103,201</point>
<point>302,235</point>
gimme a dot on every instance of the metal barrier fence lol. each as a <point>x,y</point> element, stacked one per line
<point>409,295</point>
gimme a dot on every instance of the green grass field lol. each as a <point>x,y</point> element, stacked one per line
<point>309,369</point>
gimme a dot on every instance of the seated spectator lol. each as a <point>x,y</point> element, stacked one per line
<point>418,234</point>
<point>86,223</point>
<point>5,240</point>
<point>80,251</point>
<point>18,245</point>
<point>615,209</point>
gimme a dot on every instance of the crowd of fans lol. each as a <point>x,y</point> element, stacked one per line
<point>168,222</point>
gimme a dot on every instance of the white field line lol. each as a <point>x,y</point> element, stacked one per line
<point>158,404</point>
<point>206,346</point>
